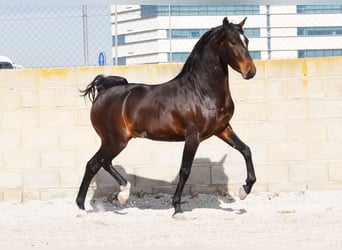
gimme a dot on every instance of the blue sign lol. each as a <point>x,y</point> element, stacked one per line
<point>102,59</point>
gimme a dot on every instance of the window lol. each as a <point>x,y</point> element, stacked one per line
<point>186,33</point>
<point>178,56</point>
<point>255,54</point>
<point>6,65</point>
<point>202,10</point>
<point>252,32</point>
<point>121,40</point>
<point>149,11</point>
<point>183,56</point>
<point>319,9</point>
<point>197,33</point>
<point>121,61</point>
<point>214,10</point>
<point>319,31</point>
<point>319,53</point>
<point>194,33</point>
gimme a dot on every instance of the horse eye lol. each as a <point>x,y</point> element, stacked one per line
<point>233,41</point>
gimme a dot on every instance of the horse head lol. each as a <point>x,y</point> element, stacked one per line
<point>234,49</point>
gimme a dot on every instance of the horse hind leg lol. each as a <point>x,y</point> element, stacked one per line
<point>103,159</point>
<point>93,166</point>
<point>125,186</point>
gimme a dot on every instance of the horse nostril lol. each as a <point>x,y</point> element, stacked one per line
<point>250,73</point>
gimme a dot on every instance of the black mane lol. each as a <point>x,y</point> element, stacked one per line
<point>196,54</point>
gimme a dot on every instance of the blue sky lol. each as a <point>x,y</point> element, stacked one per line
<point>52,35</point>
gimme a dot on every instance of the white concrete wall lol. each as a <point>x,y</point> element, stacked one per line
<point>290,115</point>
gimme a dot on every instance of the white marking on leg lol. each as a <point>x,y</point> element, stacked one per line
<point>179,216</point>
<point>81,213</point>
<point>124,193</point>
<point>242,193</point>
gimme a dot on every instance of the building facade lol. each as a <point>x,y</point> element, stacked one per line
<point>163,34</point>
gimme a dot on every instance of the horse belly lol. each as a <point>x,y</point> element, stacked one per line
<point>161,128</point>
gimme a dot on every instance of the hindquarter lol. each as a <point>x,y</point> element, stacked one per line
<point>107,114</point>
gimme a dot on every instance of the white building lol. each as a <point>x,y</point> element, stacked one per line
<point>162,34</point>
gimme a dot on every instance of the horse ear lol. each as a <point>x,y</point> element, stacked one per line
<point>242,23</point>
<point>225,21</point>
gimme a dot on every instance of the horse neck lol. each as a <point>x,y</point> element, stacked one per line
<point>214,71</point>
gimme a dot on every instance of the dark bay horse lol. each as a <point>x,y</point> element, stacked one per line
<point>192,107</point>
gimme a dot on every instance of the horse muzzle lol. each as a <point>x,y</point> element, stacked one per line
<point>249,72</point>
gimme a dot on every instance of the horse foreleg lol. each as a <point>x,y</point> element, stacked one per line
<point>189,151</point>
<point>229,136</point>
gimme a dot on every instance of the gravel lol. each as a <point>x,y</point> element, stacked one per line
<point>307,218</point>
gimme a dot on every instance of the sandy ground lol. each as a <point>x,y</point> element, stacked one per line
<point>311,218</point>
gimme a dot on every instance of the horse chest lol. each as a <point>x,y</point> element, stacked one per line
<point>213,119</point>
<point>224,109</point>
<point>224,114</point>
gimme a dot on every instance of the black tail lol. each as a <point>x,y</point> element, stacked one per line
<point>100,84</point>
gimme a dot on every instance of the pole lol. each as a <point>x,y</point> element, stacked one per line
<point>268,17</point>
<point>116,35</point>
<point>170,36</point>
<point>85,34</point>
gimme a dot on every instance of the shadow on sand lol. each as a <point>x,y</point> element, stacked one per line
<point>157,194</point>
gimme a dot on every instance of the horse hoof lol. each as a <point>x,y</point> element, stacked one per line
<point>242,193</point>
<point>178,216</point>
<point>81,214</point>
<point>124,193</point>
